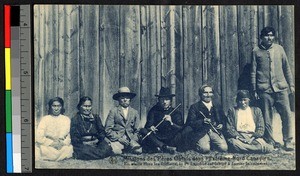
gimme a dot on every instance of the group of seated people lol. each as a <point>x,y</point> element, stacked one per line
<point>84,137</point>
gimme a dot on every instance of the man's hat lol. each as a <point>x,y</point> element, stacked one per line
<point>165,92</point>
<point>124,91</point>
<point>242,94</point>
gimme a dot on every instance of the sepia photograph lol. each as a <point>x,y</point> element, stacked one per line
<point>164,87</point>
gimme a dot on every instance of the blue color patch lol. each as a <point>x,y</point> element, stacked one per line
<point>9,153</point>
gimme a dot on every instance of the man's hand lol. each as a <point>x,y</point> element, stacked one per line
<point>168,118</point>
<point>242,139</point>
<point>91,143</point>
<point>124,141</point>
<point>207,120</point>
<point>256,95</point>
<point>152,128</point>
<point>251,140</point>
<point>219,127</point>
<point>292,90</point>
<point>107,140</point>
<point>57,144</point>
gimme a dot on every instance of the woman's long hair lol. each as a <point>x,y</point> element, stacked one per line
<point>60,100</point>
<point>82,100</point>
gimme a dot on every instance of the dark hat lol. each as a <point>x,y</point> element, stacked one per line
<point>123,91</point>
<point>242,94</point>
<point>165,92</point>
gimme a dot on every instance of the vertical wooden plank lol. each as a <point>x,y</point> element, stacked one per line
<point>229,55</point>
<point>245,46</point>
<point>151,59</point>
<point>71,81</point>
<point>244,35</point>
<point>42,55</point>
<point>261,18</point>
<point>54,50</point>
<point>39,61</point>
<point>158,47</point>
<point>145,64</point>
<point>177,61</point>
<point>271,17</point>
<point>172,51</point>
<point>254,26</point>
<point>204,44</point>
<point>130,70</point>
<point>49,36</point>
<point>81,49</point>
<point>165,24</point>
<point>192,49</point>
<point>89,63</point>
<point>61,50</point>
<point>213,50</point>
<point>109,57</point>
<point>286,33</point>
<point>247,40</point>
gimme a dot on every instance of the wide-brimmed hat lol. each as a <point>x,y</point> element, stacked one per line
<point>165,92</point>
<point>124,91</point>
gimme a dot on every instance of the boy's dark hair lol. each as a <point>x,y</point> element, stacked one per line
<point>266,30</point>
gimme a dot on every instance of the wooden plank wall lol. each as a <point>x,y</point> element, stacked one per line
<point>92,50</point>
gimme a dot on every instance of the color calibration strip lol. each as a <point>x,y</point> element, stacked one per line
<point>18,88</point>
<point>8,98</point>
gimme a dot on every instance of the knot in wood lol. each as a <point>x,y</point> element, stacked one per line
<point>122,55</point>
<point>101,27</point>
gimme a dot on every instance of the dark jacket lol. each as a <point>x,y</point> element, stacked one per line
<point>85,130</point>
<point>196,120</point>
<point>231,126</point>
<point>165,130</point>
<point>79,129</point>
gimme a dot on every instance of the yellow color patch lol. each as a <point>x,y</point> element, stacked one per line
<point>7,69</point>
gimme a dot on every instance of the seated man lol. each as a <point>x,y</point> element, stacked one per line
<point>205,120</point>
<point>122,124</point>
<point>165,137</point>
<point>245,127</point>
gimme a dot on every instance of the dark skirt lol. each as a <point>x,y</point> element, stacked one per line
<point>180,140</point>
<point>87,152</point>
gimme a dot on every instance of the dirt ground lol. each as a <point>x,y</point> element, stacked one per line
<point>277,160</point>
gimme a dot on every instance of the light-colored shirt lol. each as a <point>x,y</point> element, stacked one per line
<point>50,130</point>
<point>245,121</point>
<point>208,105</point>
<point>125,112</point>
<point>53,128</point>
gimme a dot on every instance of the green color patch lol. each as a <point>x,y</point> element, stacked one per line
<point>8,111</point>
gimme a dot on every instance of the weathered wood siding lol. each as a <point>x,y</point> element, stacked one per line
<point>92,50</point>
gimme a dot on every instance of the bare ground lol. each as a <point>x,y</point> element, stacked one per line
<point>277,160</point>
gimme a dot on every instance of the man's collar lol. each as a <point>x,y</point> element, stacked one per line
<point>209,103</point>
<point>161,108</point>
<point>261,46</point>
<point>121,107</point>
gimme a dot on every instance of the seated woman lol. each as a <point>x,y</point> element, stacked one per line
<point>52,136</point>
<point>245,127</point>
<point>87,133</point>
